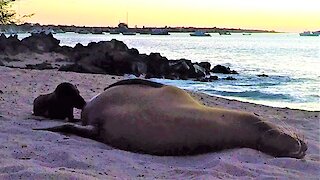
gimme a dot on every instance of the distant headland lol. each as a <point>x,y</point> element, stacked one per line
<point>121,28</point>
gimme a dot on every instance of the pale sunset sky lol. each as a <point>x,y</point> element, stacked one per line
<point>279,15</point>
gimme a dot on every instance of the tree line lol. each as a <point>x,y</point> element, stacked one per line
<point>8,15</point>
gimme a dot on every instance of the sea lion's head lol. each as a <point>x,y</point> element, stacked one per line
<point>280,144</point>
<point>69,93</point>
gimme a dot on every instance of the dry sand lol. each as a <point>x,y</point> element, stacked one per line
<point>29,154</point>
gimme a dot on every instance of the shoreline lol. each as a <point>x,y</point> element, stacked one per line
<point>30,154</point>
<point>248,87</point>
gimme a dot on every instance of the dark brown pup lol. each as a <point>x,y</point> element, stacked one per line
<point>60,103</point>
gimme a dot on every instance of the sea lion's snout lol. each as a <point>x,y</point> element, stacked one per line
<point>79,102</point>
<point>300,149</point>
<point>279,144</point>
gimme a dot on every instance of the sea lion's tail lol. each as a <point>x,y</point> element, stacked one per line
<point>136,82</point>
<point>82,131</point>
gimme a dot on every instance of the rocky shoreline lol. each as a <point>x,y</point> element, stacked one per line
<point>42,51</point>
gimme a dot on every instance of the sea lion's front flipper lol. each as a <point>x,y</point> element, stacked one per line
<point>83,131</point>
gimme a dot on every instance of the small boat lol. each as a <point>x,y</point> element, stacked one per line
<point>308,33</point>
<point>129,33</point>
<point>246,34</point>
<point>159,32</point>
<point>224,33</point>
<point>199,33</point>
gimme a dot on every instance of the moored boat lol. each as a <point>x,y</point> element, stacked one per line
<point>224,33</point>
<point>200,33</point>
<point>159,32</point>
<point>308,33</point>
<point>130,33</point>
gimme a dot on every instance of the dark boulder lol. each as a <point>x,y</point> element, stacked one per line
<point>206,66</point>
<point>199,71</point>
<point>179,68</point>
<point>41,66</point>
<point>230,78</point>
<point>118,45</point>
<point>138,68</point>
<point>223,70</point>
<point>11,45</point>
<point>133,52</point>
<point>208,79</point>
<point>157,66</point>
<point>262,75</point>
<point>81,69</point>
<point>41,43</point>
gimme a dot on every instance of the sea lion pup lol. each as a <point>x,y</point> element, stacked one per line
<point>60,103</point>
<point>135,116</point>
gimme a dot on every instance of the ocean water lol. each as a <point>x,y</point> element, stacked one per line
<point>292,63</point>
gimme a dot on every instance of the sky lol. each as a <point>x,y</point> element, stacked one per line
<point>279,15</point>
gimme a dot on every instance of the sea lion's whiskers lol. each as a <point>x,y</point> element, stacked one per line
<point>299,150</point>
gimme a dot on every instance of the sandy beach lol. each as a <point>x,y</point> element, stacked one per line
<point>29,154</point>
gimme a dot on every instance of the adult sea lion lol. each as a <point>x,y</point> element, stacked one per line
<point>147,117</point>
<point>60,103</point>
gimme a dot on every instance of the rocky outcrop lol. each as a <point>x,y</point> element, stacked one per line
<point>223,70</point>
<point>114,57</point>
<point>11,45</point>
<point>38,43</point>
<point>262,75</point>
<point>110,57</point>
<point>230,78</point>
<point>41,66</point>
<point>41,43</point>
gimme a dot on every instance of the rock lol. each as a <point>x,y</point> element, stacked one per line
<point>41,66</point>
<point>157,66</point>
<point>179,69</point>
<point>138,68</point>
<point>1,92</point>
<point>11,45</point>
<point>223,70</point>
<point>118,45</point>
<point>199,71</point>
<point>41,43</point>
<point>209,79</point>
<point>133,52</point>
<point>81,69</point>
<point>7,59</point>
<point>206,66</point>
<point>109,57</point>
<point>262,75</point>
<point>230,78</point>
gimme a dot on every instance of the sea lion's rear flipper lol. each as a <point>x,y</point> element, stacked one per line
<point>82,131</point>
